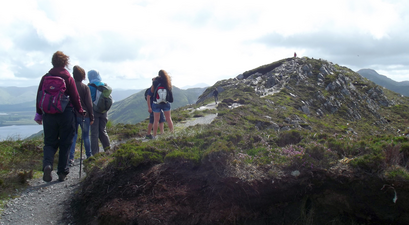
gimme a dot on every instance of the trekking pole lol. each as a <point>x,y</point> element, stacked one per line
<point>82,139</point>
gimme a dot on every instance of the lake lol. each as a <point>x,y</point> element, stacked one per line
<point>18,131</point>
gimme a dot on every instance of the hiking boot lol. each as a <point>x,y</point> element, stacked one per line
<point>71,162</point>
<point>62,176</point>
<point>149,136</point>
<point>47,174</point>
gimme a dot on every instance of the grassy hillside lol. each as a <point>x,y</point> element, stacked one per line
<point>265,159</point>
<point>134,108</point>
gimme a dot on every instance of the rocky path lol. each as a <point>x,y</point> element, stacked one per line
<point>49,203</point>
<point>44,203</point>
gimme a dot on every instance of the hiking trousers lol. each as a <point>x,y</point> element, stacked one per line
<point>59,130</point>
<point>85,137</point>
<point>99,132</point>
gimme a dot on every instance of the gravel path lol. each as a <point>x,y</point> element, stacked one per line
<point>44,203</point>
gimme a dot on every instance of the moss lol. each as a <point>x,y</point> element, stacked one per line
<point>370,162</point>
<point>397,172</point>
<point>131,154</point>
<point>179,156</point>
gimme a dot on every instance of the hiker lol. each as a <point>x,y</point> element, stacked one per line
<point>216,95</point>
<point>162,80</point>
<point>149,101</point>
<point>295,55</point>
<point>86,103</point>
<point>58,127</point>
<point>98,128</point>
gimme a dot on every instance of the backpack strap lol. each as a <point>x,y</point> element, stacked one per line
<point>156,90</point>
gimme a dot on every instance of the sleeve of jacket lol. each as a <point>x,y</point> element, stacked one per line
<point>38,110</point>
<point>73,93</point>
<point>92,90</point>
<point>88,103</point>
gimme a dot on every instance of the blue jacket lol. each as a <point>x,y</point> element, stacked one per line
<point>94,78</point>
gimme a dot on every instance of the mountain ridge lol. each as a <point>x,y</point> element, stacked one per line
<point>297,141</point>
<point>401,87</point>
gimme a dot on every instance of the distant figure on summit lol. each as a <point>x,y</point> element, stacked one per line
<point>295,55</point>
<point>216,95</point>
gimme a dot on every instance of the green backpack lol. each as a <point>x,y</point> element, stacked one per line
<point>103,98</point>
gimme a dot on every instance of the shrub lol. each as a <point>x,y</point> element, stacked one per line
<point>289,137</point>
<point>369,162</point>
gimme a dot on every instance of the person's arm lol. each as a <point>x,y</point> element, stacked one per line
<point>40,86</point>
<point>88,104</point>
<point>148,101</point>
<point>73,93</point>
<point>39,113</point>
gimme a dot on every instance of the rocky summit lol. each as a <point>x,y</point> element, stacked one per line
<point>318,88</point>
<point>297,141</point>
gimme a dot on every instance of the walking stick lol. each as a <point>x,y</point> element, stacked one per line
<point>82,139</point>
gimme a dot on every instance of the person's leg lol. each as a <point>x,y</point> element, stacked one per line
<point>85,137</point>
<point>150,125</point>
<point>103,135</point>
<point>50,129</point>
<point>161,122</point>
<point>166,111</point>
<point>74,140</point>
<point>169,120</point>
<point>94,134</point>
<point>67,132</point>
<point>156,116</point>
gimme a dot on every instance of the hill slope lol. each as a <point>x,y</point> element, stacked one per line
<point>398,87</point>
<point>297,141</point>
<point>134,108</point>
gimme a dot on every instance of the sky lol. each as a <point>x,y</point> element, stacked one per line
<point>198,41</point>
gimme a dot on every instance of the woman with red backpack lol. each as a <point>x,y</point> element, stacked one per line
<point>57,116</point>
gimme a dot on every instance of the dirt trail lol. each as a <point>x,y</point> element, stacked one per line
<point>44,203</point>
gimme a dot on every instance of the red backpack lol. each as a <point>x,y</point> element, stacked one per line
<point>51,99</point>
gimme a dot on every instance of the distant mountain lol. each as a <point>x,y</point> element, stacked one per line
<point>120,94</point>
<point>200,85</point>
<point>17,95</point>
<point>134,109</point>
<point>381,80</point>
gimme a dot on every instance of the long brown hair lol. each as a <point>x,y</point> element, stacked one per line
<point>165,77</point>
<point>162,74</point>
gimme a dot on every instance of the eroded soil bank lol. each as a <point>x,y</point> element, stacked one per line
<point>185,194</point>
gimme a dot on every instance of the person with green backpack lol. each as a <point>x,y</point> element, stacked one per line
<point>102,101</point>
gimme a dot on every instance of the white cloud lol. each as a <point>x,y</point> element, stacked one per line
<point>198,41</point>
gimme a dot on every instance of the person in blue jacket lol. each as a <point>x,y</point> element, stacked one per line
<point>98,128</point>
